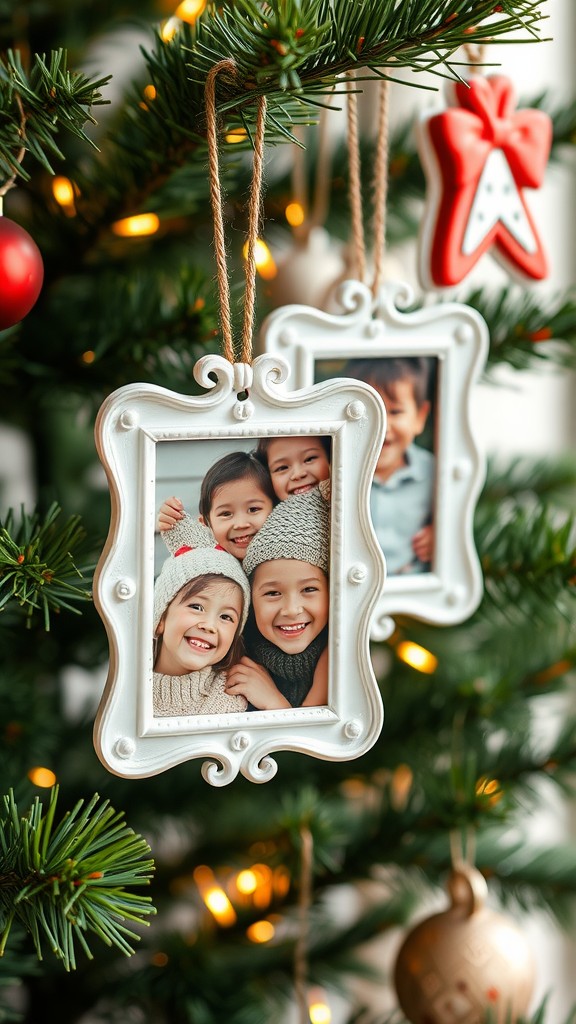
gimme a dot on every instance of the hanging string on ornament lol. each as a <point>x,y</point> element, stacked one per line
<point>245,355</point>
<point>21,267</point>
<point>358,259</point>
<point>303,936</point>
<point>460,964</point>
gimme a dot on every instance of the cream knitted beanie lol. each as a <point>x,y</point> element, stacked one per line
<point>201,555</point>
<point>297,528</point>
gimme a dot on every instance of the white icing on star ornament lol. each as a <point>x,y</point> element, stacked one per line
<point>479,155</point>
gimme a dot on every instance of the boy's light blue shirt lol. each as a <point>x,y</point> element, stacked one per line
<point>401,506</point>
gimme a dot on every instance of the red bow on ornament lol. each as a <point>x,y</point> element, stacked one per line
<point>478,156</point>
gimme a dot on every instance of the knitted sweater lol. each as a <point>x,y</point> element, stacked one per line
<point>198,693</point>
<point>293,674</point>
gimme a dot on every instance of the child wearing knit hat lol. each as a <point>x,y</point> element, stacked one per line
<point>201,602</point>
<point>287,563</point>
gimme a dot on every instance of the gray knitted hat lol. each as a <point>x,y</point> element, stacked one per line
<point>297,528</point>
<point>199,556</point>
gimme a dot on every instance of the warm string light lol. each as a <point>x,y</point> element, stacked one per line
<point>295,214</point>
<point>42,777</point>
<point>236,135</point>
<point>416,656</point>
<point>255,887</point>
<point>138,226</point>
<point>318,1009</point>
<point>169,29</point>
<point>261,931</point>
<point>214,896</point>
<point>190,10</point>
<point>489,789</point>
<point>65,192</point>
<point>264,260</point>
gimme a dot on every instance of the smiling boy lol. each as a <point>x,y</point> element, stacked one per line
<point>402,495</point>
<point>286,637</point>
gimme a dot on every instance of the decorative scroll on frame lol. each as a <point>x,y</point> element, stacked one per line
<point>374,340</point>
<point>242,405</point>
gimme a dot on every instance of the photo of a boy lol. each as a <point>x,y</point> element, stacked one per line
<point>286,635</point>
<point>402,494</point>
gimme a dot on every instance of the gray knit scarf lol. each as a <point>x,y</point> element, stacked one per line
<point>292,673</point>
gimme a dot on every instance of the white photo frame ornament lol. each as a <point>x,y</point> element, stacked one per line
<point>457,337</point>
<point>130,741</point>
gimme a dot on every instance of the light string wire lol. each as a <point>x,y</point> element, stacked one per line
<point>462,848</point>
<point>254,210</point>
<point>304,907</point>
<point>380,183</point>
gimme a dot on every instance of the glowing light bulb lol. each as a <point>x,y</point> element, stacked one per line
<point>490,788</point>
<point>246,882</point>
<point>263,258</point>
<point>137,226</point>
<point>318,1009</point>
<point>219,905</point>
<point>88,356</point>
<point>169,29</point>
<point>320,1013</point>
<point>416,656</point>
<point>294,214</point>
<point>236,135</point>
<point>64,193</point>
<point>214,896</point>
<point>150,92</point>
<point>43,777</point>
<point>261,931</point>
<point>189,10</point>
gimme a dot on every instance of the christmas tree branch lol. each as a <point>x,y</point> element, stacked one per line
<point>35,105</point>
<point>283,47</point>
<point>63,881</point>
<point>36,564</point>
<point>520,324</point>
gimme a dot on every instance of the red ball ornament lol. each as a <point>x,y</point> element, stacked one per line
<point>455,966</point>
<point>21,273</point>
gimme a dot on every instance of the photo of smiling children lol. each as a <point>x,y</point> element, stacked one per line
<point>286,636</point>
<point>201,602</point>
<point>403,490</point>
<point>243,506</point>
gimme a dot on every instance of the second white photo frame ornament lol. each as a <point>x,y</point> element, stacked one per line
<point>371,338</point>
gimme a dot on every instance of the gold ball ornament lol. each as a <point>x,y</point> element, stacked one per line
<point>455,966</point>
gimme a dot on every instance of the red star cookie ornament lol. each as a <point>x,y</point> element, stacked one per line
<point>479,154</point>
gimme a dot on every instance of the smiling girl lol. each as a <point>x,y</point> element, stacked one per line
<point>201,601</point>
